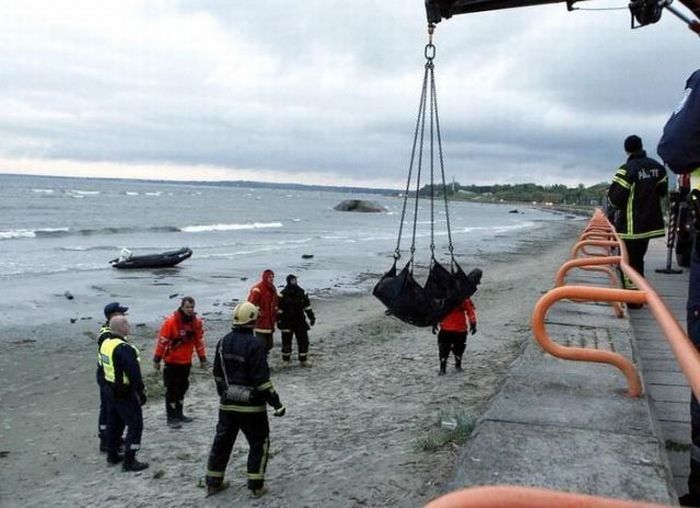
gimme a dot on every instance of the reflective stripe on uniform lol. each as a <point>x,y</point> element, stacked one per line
<point>241,409</point>
<point>266,385</point>
<point>215,474</point>
<point>639,236</point>
<point>621,182</point>
<point>630,212</point>
<point>695,179</point>
<point>260,475</point>
<point>263,330</point>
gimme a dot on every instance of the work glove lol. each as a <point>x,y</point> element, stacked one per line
<point>156,365</point>
<point>280,411</point>
<point>142,398</point>
<point>472,328</point>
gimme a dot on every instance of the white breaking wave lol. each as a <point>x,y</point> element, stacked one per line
<point>131,193</point>
<point>43,191</point>
<point>230,227</point>
<point>84,192</point>
<point>156,193</point>
<point>27,233</point>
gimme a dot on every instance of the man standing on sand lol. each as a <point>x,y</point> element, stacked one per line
<point>264,296</point>
<point>243,383</point>
<point>180,335</point>
<point>636,192</point>
<point>294,308</point>
<point>110,310</point>
<point>125,393</point>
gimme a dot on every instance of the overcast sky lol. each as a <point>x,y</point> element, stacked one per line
<point>326,92</point>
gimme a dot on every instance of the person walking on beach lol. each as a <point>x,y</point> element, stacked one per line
<point>264,296</point>
<point>294,308</point>
<point>636,192</point>
<point>125,395</point>
<point>454,327</point>
<point>110,310</point>
<point>180,335</point>
<point>243,383</point>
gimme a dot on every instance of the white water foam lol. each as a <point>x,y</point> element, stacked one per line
<point>27,233</point>
<point>230,227</point>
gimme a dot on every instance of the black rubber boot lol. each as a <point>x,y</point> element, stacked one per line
<point>443,367</point>
<point>215,489</point>
<point>458,363</point>
<point>171,414</point>
<point>178,412</point>
<point>131,464</point>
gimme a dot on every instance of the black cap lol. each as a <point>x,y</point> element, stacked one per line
<point>633,144</point>
<point>290,277</point>
<point>114,308</point>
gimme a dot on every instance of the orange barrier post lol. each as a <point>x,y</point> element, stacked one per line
<point>506,496</point>
<point>685,352</point>
<point>587,354</point>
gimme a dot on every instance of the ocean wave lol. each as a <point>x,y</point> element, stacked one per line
<point>230,227</point>
<point>83,192</point>
<point>43,191</point>
<point>79,248</point>
<point>30,233</point>
<point>61,232</point>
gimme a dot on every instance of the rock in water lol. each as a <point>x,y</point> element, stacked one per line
<point>307,256</point>
<point>68,295</point>
<point>358,205</point>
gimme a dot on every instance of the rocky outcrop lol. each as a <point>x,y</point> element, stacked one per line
<point>358,205</point>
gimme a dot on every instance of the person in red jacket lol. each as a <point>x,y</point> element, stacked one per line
<point>453,333</point>
<point>264,296</point>
<point>181,334</point>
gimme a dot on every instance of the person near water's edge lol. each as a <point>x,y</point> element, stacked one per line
<point>110,310</point>
<point>243,383</point>
<point>454,328</point>
<point>264,296</point>
<point>294,308</point>
<point>125,395</point>
<point>636,192</point>
<point>181,334</point>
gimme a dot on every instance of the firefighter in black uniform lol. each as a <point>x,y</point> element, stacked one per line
<point>240,365</point>
<point>125,395</point>
<point>636,192</point>
<point>110,310</point>
<point>294,308</point>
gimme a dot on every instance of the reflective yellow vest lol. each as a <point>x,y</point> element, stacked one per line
<point>695,179</point>
<point>107,358</point>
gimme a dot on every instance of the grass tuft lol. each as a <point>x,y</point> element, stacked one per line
<point>440,437</point>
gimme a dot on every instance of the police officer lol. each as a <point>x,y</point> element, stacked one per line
<point>294,308</point>
<point>125,395</point>
<point>110,310</point>
<point>243,382</point>
<point>636,192</point>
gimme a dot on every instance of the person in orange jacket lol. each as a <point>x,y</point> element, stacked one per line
<point>453,333</point>
<point>181,334</point>
<point>264,296</point>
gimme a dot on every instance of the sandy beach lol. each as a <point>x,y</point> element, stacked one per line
<point>363,426</point>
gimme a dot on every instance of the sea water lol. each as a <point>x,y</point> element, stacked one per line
<point>58,235</point>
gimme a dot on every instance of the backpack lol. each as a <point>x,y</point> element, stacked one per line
<point>679,146</point>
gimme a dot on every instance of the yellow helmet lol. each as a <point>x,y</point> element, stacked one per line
<point>245,313</point>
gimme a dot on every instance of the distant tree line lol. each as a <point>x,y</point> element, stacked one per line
<point>523,192</point>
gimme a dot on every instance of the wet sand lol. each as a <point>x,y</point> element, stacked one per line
<point>363,426</point>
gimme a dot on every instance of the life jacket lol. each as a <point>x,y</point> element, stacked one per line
<point>178,338</point>
<point>107,360</point>
<point>458,319</point>
<point>264,297</point>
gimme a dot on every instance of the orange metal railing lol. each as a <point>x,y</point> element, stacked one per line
<point>502,496</point>
<point>601,235</point>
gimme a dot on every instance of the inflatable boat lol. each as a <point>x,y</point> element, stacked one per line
<point>164,259</point>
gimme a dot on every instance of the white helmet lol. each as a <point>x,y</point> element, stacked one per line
<point>245,313</point>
